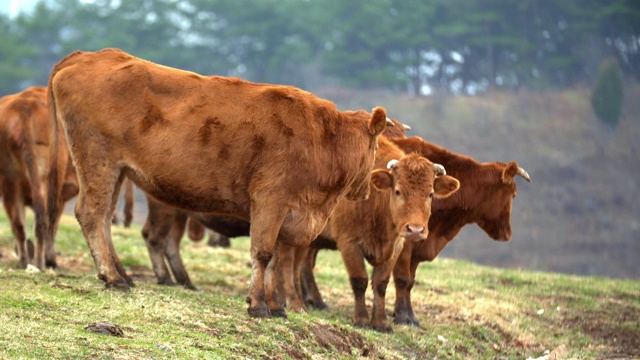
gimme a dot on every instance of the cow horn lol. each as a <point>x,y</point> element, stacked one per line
<point>524,174</point>
<point>390,123</point>
<point>439,169</point>
<point>406,127</point>
<point>393,164</point>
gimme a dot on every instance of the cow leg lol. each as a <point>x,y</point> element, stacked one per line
<point>354,262</point>
<point>107,230</point>
<point>309,287</point>
<point>284,262</point>
<point>270,279</point>
<point>195,229</point>
<point>286,269</point>
<point>403,282</point>
<point>155,231</point>
<point>97,185</point>
<point>13,205</point>
<point>379,282</point>
<point>29,158</point>
<point>128,202</point>
<point>266,221</point>
<point>218,240</point>
<point>172,252</point>
<point>411,315</point>
<point>300,255</point>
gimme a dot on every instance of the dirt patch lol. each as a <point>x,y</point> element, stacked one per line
<point>617,328</point>
<point>342,340</point>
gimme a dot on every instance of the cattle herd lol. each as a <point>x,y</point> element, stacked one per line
<point>272,162</point>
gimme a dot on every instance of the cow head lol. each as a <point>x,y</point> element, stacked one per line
<point>397,131</point>
<point>376,124</point>
<point>412,183</point>
<point>498,195</point>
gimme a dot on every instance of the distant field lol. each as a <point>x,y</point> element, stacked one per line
<point>466,311</point>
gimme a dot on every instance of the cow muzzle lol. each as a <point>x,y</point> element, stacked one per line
<point>413,232</point>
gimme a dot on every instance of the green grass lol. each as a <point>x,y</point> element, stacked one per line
<point>466,311</point>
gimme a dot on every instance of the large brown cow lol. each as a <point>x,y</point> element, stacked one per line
<point>274,154</point>
<point>24,150</point>
<point>485,198</point>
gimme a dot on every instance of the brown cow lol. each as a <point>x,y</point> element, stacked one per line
<point>485,197</point>
<point>274,154</point>
<point>24,150</point>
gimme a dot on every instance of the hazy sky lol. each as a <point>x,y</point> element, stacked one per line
<point>13,7</point>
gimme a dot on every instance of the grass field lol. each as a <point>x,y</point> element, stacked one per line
<point>466,311</point>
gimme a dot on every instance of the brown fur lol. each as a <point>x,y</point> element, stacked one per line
<point>485,197</point>
<point>24,150</point>
<point>125,116</point>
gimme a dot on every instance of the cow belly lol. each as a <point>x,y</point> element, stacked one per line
<point>189,196</point>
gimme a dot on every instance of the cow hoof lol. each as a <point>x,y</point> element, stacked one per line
<point>279,313</point>
<point>23,263</point>
<point>189,286</point>
<point>320,306</point>
<point>361,324</point>
<point>117,285</point>
<point>406,320</point>
<point>384,328</point>
<point>261,311</point>
<point>167,281</point>
<point>51,264</point>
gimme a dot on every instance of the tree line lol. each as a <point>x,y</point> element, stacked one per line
<point>419,46</point>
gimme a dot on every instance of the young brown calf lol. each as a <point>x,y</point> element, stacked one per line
<point>376,229</point>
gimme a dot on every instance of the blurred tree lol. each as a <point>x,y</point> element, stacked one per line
<point>14,72</point>
<point>458,46</point>
<point>607,93</point>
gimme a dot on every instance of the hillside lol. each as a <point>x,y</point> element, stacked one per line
<point>467,311</point>
<point>581,213</point>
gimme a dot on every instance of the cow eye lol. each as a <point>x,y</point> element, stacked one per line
<point>431,195</point>
<point>398,192</point>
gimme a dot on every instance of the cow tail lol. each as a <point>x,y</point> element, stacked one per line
<point>54,177</point>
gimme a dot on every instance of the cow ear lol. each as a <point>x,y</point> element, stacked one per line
<point>510,172</point>
<point>444,186</point>
<point>378,121</point>
<point>381,179</point>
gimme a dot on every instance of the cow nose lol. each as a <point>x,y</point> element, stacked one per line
<point>415,230</point>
